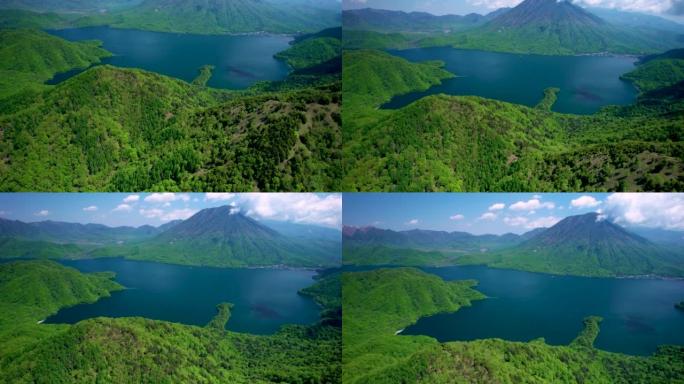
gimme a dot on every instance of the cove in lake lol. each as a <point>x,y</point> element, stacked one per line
<point>264,299</point>
<point>586,83</point>
<point>239,60</point>
<point>638,314</point>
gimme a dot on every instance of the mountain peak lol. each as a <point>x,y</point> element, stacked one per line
<point>546,12</point>
<point>220,222</point>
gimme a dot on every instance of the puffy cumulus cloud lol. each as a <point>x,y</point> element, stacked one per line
<point>541,222</point>
<point>457,217</point>
<point>306,208</point>
<point>649,6</point>
<point>531,205</point>
<point>131,198</point>
<point>213,196</point>
<point>166,197</point>
<point>91,208</point>
<point>662,210</point>
<point>122,208</point>
<point>175,214</point>
<point>42,213</point>
<point>497,207</point>
<point>487,216</point>
<point>411,222</point>
<point>585,202</point>
<point>494,4</point>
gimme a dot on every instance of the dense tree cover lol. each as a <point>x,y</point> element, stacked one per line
<point>379,303</point>
<point>30,57</point>
<point>134,350</point>
<point>458,143</point>
<point>126,129</point>
<point>311,52</point>
<point>30,291</point>
<point>196,16</point>
<point>219,321</point>
<point>658,71</point>
<point>386,255</point>
<point>205,73</point>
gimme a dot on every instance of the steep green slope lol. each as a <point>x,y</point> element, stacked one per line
<point>658,71</point>
<point>378,303</point>
<point>30,57</point>
<point>133,350</point>
<point>586,245</point>
<point>311,52</point>
<point>32,290</point>
<point>126,129</point>
<point>367,82</point>
<point>453,143</point>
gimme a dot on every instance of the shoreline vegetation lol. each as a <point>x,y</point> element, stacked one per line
<point>379,302</point>
<point>151,350</point>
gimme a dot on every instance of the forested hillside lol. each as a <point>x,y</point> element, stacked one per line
<point>30,57</point>
<point>126,129</point>
<point>379,303</point>
<point>133,350</point>
<point>457,143</point>
<point>194,16</point>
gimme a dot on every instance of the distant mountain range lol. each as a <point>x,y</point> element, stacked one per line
<point>586,245</point>
<point>533,26</point>
<point>213,236</point>
<point>188,16</point>
<point>397,21</point>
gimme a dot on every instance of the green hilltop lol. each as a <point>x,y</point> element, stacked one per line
<point>128,129</point>
<point>133,350</point>
<point>468,143</point>
<point>381,302</point>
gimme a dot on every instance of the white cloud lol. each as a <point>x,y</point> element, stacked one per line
<point>489,216</point>
<point>411,222</point>
<point>307,208</point>
<point>42,213</point>
<point>585,202</point>
<point>543,222</point>
<point>218,196</point>
<point>648,6</point>
<point>131,198</point>
<point>91,208</point>
<point>175,214</point>
<point>457,217</point>
<point>522,221</point>
<point>494,4</point>
<point>663,210</point>
<point>166,197</point>
<point>122,208</point>
<point>497,207</point>
<point>531,205</point>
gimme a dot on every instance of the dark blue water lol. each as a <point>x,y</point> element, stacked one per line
<point>639,314</point>
<point>239,61</point>
<point>586,83</point>
<point>264,299</point>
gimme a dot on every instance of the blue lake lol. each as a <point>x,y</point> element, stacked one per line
<point>639,314</point>
<point>586,83</point>
<point>240,61</point>
<point>264,299</point>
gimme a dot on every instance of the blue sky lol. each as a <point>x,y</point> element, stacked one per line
<point>499,213</point>
<point>116,209</point>
<point>669,8</point>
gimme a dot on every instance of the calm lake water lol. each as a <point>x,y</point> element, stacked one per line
<point>264,299</point>
<point>638,314</point>
<point>586,83</point>
<point>240,61</point>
